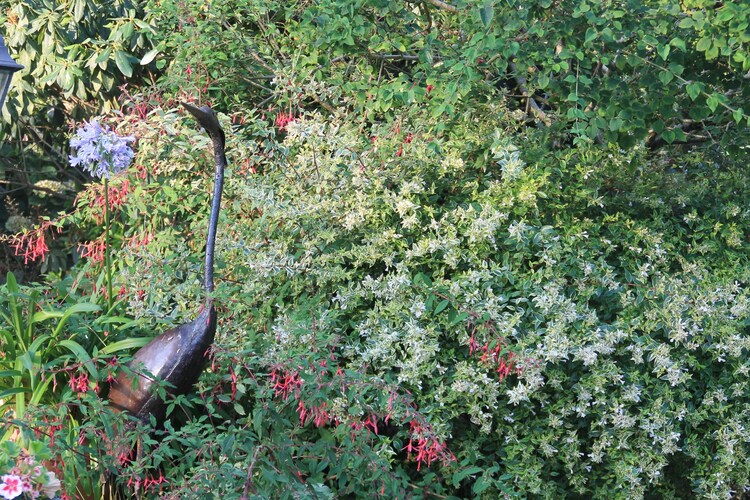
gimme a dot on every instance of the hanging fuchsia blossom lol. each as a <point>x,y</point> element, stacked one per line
<point>100,151</point>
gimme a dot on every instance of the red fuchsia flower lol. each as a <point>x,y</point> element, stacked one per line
<point>117,194</point>
<point>429,89</point>
<point>504,366</point>
<point>141,172</point>
<point>233,376</point>
<point>93,250</point>
<point>285,384</point>
<point>79,384</point>
<point>425,447</point>
<point>32,245</point>
<point>140,239</point>
<point>318,415</point>
<point>284,119</point>
<point>371,423</point>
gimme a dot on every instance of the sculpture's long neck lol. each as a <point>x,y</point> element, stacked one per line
<point>221,162</point>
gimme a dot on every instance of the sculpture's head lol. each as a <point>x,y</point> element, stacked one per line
<point>207,119</point>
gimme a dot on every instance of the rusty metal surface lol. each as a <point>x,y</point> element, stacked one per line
<point>176,356</point>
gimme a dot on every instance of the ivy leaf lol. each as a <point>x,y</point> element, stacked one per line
<point>678,43</point>
<point>703,44</point>
<point>486,14</point>
<point>693,90</point>
<point>543,81</point>
<point>666,77</point>
<point>712,102</point>
<point>668,136</point>
<point>663,51</point>
<point>737,114</point>
<point>591,35</point>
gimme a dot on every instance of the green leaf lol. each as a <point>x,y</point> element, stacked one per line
<point>615,124</point>
<point>678,43</point>
<point>441,306</point>
<point>104,55</point>
<point>15,390</point>
<point>480,485</point>
<point>703,44</point>
<point>149,56</point>
<point>81,356</point>
<point>82,307</point>
<point>543,81</point>
<point>676,69</point>
<point>686,22</point>
<point>666,77</point>
<point>462,474</point>
<point>79,10</point>
<point>693,89</point>
<point>663,51</point>
<point>486,13</point>
<point>737,114</point>
<point>712,102</point>
<point>123,63</point>
<point>651,40</point>
<point>590,36</point>
<point>725,14</point>
<point>124,345</point>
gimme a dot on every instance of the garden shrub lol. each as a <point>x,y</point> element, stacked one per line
<point>444,313</point>
<point>420,295</point>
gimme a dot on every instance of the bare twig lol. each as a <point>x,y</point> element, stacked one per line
<point>442,5</point>
<point>394,57</point>
<point>249,480</point>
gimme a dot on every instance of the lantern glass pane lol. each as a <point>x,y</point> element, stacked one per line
<point>4,84</point>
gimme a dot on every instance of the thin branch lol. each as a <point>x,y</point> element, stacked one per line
<point>249,479</point>
<point>536,110</point>
<point>442,5</point>
<point>34,187</point>
<point>394,57</point>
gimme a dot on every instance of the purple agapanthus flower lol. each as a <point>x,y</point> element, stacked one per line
<point>100,151</point>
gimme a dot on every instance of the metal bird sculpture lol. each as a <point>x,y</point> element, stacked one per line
<point>177,356</point>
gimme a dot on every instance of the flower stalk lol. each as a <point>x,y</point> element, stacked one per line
<point>107,258</point>
<point>101,152</point>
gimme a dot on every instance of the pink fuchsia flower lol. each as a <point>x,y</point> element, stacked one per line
<point>11,486</point>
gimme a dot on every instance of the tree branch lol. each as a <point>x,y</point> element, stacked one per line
<point>536,110</point>
<point>442,5</point>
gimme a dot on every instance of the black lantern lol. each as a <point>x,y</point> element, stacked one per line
<point>7,67</point>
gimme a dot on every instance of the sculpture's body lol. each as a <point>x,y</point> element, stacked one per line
<point>178,355</point>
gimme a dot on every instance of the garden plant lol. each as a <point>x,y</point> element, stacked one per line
<point>472,249</point>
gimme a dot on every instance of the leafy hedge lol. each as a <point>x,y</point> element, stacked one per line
<point>418,292</point>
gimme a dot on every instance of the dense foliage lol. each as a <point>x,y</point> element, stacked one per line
<point>424,290</point>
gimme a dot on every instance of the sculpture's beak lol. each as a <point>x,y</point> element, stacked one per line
<point>206,117</point>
